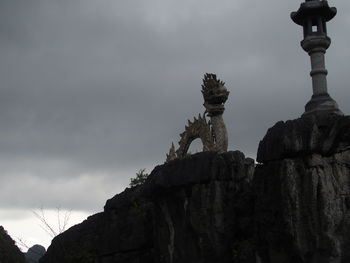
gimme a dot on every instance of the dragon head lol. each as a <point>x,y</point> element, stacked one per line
<point>214,93</point>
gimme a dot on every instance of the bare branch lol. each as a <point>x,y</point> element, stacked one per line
<point>21,243</point>
<point>66,220</point>
<point>59,219</point>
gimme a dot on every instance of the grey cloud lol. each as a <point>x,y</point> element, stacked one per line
<point>85,192</point>
<point>105,86</point>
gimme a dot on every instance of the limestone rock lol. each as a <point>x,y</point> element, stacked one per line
<point>196,209</point>
<point>325,135</point>
<point>302,192</point>
<point>293,207</point>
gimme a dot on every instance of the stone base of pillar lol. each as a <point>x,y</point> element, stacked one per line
<point>322,104</point>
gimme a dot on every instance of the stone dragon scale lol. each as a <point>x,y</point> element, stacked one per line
<point>212,133</point>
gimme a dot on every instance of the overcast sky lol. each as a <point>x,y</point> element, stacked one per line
<point>92,91</point>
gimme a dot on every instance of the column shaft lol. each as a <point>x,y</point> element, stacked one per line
<point>318,73</point>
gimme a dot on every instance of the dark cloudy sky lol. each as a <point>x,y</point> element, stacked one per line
<point>92,91</point>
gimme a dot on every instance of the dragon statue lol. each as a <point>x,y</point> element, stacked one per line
<point>212,133</point>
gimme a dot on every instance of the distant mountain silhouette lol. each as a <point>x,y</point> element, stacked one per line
<point>35,253</point>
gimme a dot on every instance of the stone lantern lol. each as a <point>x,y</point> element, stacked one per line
<point>313,16</point>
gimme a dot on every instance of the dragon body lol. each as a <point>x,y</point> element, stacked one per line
<point>213,133</point>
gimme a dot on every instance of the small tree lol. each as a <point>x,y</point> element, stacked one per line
<point>140,178</point>
<point>51,228</point>
<point>48,227</point>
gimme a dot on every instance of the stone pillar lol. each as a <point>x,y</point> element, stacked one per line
<point>312,16</point>
<point>318,72</point>
<point>321,102</point>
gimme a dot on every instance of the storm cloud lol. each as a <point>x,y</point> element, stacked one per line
<point>92,91</point>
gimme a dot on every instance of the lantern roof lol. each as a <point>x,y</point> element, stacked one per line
<point>313,8</point>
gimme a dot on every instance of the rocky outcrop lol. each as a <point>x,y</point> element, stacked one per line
<point>211,208</point>
<point>9,252</point>
<point>34,253</point>
<point>324,135</point>
<point>196,209</point>
<point>302,189</point>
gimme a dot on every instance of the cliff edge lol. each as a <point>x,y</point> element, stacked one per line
<point>292,207</point>
<point>302,189</point>
<point>195,209</point>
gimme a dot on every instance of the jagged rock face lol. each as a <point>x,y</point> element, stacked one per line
<point>324,135</point>
<point>302,190</point>
<point>9,252</point>
<point>196,209</point>
<point>209,208</point>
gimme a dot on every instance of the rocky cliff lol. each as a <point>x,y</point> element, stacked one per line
<point>9,252</point>
<point>302,189</point>
<point>196,209</point>
<point>293,207</point>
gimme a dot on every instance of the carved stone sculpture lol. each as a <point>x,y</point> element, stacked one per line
<point>212,133</point>
<point>313,16</point>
